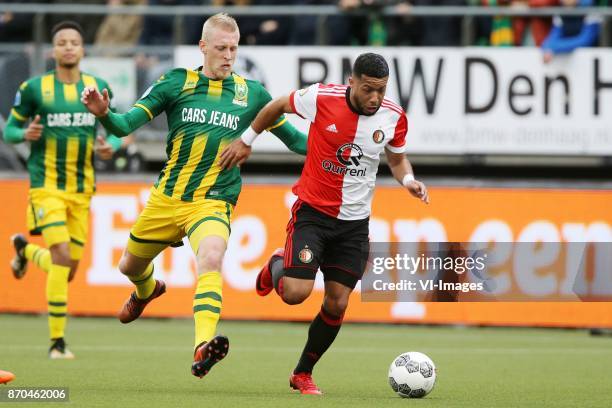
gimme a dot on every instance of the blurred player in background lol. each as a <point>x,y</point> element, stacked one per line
<point>62,135</point>
<point>207,108</point>
<point>329,227</point>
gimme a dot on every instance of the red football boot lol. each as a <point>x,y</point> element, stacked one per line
<point>304,384</point>
<point>6,377</point>
<point>134,306</point>
<point>263,283</point>
<point>208,354</point>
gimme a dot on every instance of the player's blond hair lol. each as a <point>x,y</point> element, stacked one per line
<point>219,21</point>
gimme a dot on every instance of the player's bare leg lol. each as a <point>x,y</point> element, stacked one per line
<point>293,291</point>
<point>19,262</point>
<point>140,272</point>
<point>322,333</point>
<point>209,347</point>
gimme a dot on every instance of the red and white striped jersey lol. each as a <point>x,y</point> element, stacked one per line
<point>344,149</point>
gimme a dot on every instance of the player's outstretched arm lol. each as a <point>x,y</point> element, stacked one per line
<point>402,171</point>
<point>239,151</point>
<point>119,124</point>
<point>15,133</point>
<point>106,147</point>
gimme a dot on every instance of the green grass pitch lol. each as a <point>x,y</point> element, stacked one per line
<point>147,364</point>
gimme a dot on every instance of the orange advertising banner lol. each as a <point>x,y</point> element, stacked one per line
<point>455,214</point>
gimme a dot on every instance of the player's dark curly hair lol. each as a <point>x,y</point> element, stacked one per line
<point>372,65</point>
<point>62,25</point>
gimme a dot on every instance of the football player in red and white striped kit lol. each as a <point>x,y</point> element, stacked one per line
<point>350,127</point>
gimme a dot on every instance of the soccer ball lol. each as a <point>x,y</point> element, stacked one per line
<point>412,375</point>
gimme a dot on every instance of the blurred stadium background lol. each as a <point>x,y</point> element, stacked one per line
<point>514,145</point>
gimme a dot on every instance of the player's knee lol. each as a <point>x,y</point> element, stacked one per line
<point>60,254</point>
<point>132,265</point>
<point>126,267</point>
<point>293,299</point>
<point>294,296</point>
<point>336,305</point>
<point>123,265</point>
<point>210,260</point>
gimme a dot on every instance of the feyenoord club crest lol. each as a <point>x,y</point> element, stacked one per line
<point>378,136</point>
<point>306,255</point>
<point>241,94</point>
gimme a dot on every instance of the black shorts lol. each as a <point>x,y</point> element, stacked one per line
<point>315,240</point>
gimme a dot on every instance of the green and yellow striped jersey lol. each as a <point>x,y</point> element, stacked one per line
<point>204,116</point>
<point>62,159</point>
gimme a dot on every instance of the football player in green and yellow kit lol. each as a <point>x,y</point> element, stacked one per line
<point>207,109</point>
<point>62,136</point>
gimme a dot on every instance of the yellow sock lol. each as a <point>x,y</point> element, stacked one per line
<point>40,256</point>
<point>57,298</point>
<point>207,306</point>
<point>145,284</point>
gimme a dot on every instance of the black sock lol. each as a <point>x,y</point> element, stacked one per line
<point>277,269</point>
<point>321,335</point>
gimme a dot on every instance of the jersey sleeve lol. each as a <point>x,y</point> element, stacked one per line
<point>113,140</point>
<point>304,102</point>
<point>25,104</point>
<point>263,96</point>
<point>398,143</point>
<point>157,96</point>
<point>263,99</point>
<point>145,109</point>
